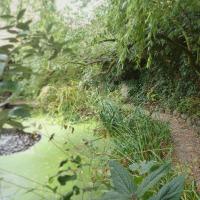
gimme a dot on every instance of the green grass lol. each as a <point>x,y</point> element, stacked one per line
<point>136,135</point>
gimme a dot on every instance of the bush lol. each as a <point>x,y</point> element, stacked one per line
<point>190,106</point>
<point>68,101</point>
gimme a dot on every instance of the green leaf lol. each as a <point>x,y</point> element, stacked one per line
<point>2,67</point>
<point>6,27</point>
<point>13,31</point>
<point>20,111</point>
<point>68,50</point>
<point>54,190</point>
<point>30,190</point>
<point>49,27</point>
<point>13,39</point>
<point>3,117</point>
<point>152,179</point>
<point>75,191</point>
<point>65,178</point>
<point>112,195</point>
<point>172,190</point>
<point>76,160</point>
<point>29,53</point>
<point>7,86</point>
<point>21,14</point>
<point>25,25</point>
<point>68,196</point>
<point>6,48</point>
<point>142,167</point>
<point>6,16</point>
<point>63,163</point>
<point>15,124</point>
<point>54,54</point>
<point>122,179</point>
<point>19,68</point>
<point>23,33</point>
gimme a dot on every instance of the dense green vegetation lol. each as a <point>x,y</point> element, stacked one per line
<point>131,55</point>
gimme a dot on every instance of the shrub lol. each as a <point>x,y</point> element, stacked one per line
<point>190,105</point>
<point>67,101</point>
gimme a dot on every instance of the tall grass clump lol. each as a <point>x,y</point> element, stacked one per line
<point>135,135</point>
<point>69,101</point>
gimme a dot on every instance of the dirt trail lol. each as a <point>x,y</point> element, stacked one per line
<point>186,144</point>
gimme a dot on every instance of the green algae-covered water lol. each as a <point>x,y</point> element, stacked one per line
<point>23,175</point>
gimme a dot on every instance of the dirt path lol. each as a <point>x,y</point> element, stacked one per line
<point>186,144</point>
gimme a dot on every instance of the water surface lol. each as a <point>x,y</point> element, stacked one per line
<point>23,175</point>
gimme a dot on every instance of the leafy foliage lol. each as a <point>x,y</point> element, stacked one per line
<point>154,49</point>
<point>11,70</point>
<point>68,171</point>
<point>126,189</point>
<point>153,30</point>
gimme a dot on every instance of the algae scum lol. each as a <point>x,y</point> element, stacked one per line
<point>26,175</point>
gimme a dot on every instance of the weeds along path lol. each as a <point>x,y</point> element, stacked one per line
<point>186,144</point>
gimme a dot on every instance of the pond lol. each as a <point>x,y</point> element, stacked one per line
<point>23,175</point>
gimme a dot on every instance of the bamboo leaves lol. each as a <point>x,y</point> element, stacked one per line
<point>21,14</point>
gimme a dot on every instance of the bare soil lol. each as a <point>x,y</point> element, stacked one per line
<point>186,143</point>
